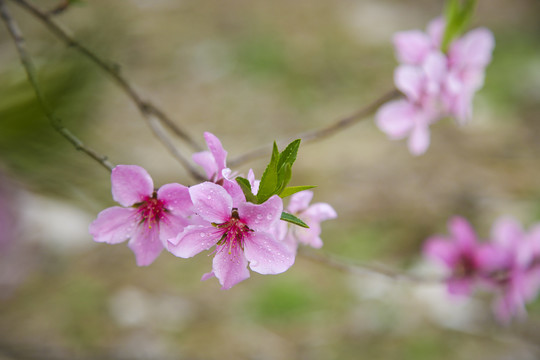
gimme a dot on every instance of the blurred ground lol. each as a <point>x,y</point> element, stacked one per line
<point>252,71</point>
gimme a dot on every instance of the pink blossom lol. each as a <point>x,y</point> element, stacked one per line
<point>516,278</point>
<point>462,255</point>
<point>435,84</point>
<point>213,161</point>
<point>242,232</point>
<point>312,215</point>
<point>148,217</point>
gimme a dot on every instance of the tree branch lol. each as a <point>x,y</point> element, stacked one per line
<point>146,108</point>
<point>315,135</point>
<point>26,61</point>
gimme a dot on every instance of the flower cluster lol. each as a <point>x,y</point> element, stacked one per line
<point>215,213</point>
<point>435,83</point>
<point>508,264</point>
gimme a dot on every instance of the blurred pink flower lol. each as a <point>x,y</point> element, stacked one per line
<point>462,255</point>
<point>213,160</point>
<point>242,233</point>
<point>435,84</point>
<point>148,217</point>
<point>516,278</point>
<point>312,215</point>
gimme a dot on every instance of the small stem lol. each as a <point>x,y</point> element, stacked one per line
<point>362,269</point>
<point>319,134</point>
<point>146,108</point>
<point>26,61</point>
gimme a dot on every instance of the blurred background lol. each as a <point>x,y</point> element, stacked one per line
<point>251,71</point>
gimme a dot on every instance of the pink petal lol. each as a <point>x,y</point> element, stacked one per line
<point>230,266</point>
<point>440,249</point>
<point>176,199</point>
<point>309,236</point>
<point>254,183</point>
<point>170,225</point>
<point>113,225</point>
<point>193,240</point>
<point>261,217</point>
<point>491,258</point>
<point>507,232</point>
<point>207,276</point>
<point>435,31</point>
<point>459,286</point>
<point>146,245</point>
<point>234,190</point>
<point>435,67</point>
<point>462,232</point>
<point>206,160</point>
<point>266,255</point>
<point>410,80</point>
<point>130,184</point>
<point>396,118</point>
<point>419,140</point>
<point>411,46</point>
<point>215,147</point>
<point>473,50</point>
<point>211,202</point>
<point>299,201</point>
<point>321,212</point>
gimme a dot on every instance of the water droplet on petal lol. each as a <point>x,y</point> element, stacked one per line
<point>259,216</point>
<point>202,234</point>
<point>209,197</point>
<point>254,263</point>
<point>269,216</point>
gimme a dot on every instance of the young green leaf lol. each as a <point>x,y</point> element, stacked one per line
<point>269,179</point>
<point>246,189</point>
<point>457,16</point>
<point>288,156</point>
<point>294,189</point>
<point>293,219</point>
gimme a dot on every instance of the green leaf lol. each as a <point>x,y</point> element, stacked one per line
<point>246,188</point>
<point>294,189</point>
<point>269,179</point>
<point>293,219</point>
<point>457,16</point>
<point>288,156</point>
<point>284,176</point>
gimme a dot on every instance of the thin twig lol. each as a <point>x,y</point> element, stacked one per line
<point>158,131</point>
<point>348,266</point>
<point>146,108</point>
<point>315,135</point>
<point>26,61</point>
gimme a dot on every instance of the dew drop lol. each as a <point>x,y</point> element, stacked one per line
<point>259,216</point>
<point>202,234</point>
<point>269,216</point>
<point>254,263</point>
<point>209,197</point>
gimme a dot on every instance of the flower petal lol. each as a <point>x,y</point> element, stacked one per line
<point>130,184</point>
<point>396,118</point>
<point>459,286</point>
<point>462,232</point>
<point>206,160</point>
<point>410,80</point>
<point>266,255</point>
<point>507,232</point>
<point>299,201</point>
<point>230,266</point>
<point>215,147</point>
<point>193,240</point>
<point>211,202</point>
<point>419,140</point>
<point>321,212</point>
<point>473,49</point>
<point>261,217</point>
<point>113,225</point>
<point>176,199</point>
<point>170,225</point>
<point>411,46</point>
<point>440,249</point>
<point>435,30</point>
<point>146,245</point>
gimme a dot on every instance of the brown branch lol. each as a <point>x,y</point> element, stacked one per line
<point>315,135</point>
<point>146,108</point>
<point>360,268</point>
<point>26,61</point>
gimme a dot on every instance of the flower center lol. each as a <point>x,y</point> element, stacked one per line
<point>151,210</point>
<point>234,231</point>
